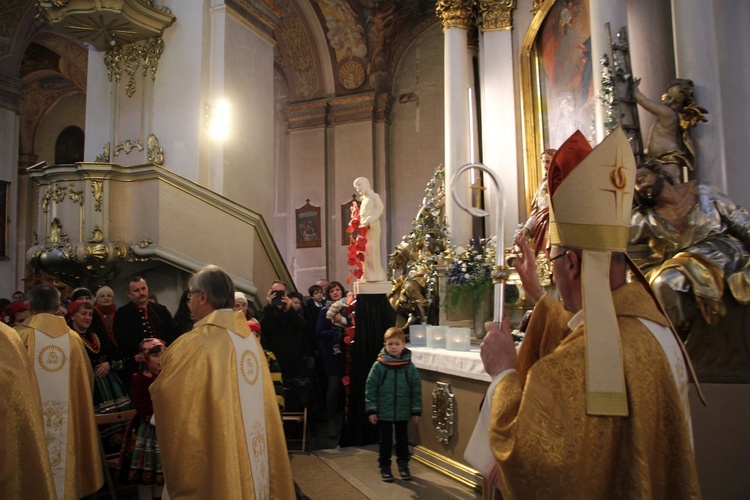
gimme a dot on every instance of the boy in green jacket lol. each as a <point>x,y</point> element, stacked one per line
<point>393,395</point>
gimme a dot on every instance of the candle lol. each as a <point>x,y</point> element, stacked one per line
<point>418,335</point>
<point>436,336</point>
<point>459,339</point>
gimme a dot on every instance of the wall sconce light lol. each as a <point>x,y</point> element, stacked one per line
<point>217,119</point>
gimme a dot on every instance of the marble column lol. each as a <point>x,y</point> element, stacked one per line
<point>457,16</point>
<point>498,110</point>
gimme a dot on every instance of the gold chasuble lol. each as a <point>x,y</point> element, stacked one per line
<point>24,461</point>
<point>66,382</point>
<point>547,446</point>
<point>219,427</point>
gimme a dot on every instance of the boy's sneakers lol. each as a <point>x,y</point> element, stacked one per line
<point>403,471</point>
<point>385,474</point>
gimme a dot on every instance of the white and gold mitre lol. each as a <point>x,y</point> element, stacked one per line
<point>591,194</point>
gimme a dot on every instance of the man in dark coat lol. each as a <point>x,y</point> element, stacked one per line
<point>140,319</point>
<point>283,332</point>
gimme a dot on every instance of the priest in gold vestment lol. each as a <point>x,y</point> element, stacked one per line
<point>24,462</point>
<point>217,421</point>
<point>65,381</point>
<point>603,410</point>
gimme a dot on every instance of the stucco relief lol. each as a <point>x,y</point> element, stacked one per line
<point>301,60</point>
<point>345,34</point>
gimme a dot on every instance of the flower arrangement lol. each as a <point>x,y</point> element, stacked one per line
<point>469,274</point>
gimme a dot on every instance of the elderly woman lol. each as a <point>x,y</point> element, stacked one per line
<point>104,313</point>
<point>241,304</point>
<point>109,392</point>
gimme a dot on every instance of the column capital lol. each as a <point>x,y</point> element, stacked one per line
<point>456,13</point>
<point>495,15</point>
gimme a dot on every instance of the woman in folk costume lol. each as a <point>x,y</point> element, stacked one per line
<point>104,313</point>
<point>140,459</point>
<point>109,392</point>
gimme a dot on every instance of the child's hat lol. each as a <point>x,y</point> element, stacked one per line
<point>145,347</point>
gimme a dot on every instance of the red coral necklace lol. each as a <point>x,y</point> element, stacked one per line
<point>95,346</point>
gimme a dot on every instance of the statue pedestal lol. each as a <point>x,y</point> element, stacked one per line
<point>374,315</point>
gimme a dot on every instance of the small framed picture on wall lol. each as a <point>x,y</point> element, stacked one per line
<point>308,226</point>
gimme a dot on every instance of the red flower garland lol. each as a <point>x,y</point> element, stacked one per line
<point>356,249</point>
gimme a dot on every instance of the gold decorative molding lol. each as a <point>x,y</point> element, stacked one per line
<point>531,110</point>
<point>106,23</point>
<point>496,15</point>
<point>97,189</point>
<point>128,146</point>
<point>130,57</point>
<point>456,13</point>
<point>56,194</point>
<point>97,236</point>
<point>535,4</point>
<point>443,412</point>
<point>76,196</point>
<point>104,157</point>
<point>56,234</point>
<point>155,154</point>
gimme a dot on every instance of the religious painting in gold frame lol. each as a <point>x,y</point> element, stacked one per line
<point>307,220</point>
<point>557,74</point>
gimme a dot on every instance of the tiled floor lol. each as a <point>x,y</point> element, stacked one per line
<point>359,467</point>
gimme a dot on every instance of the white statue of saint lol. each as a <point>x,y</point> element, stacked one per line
<point>370,210</point>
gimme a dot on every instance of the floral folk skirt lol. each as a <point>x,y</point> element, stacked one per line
<point>110,397</point>
<point>140,459</point>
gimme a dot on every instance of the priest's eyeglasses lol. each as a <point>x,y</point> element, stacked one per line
<point>562,254</point>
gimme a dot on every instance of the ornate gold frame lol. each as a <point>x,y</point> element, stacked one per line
<point>531,107</point>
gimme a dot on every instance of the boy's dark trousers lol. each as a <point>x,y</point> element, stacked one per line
<point>385,430</point>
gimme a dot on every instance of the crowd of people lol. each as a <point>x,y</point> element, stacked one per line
<point>126,349</point>
<point>208,422</point>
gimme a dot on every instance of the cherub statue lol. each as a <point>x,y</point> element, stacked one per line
<point>409,288</point>
<point>669,141</point>
<point>413,258</point>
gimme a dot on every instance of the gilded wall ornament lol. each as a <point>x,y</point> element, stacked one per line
<point>443,412</point>
<point>535,4</point>
<point>105,24</point>
<point>351,75</point>
<point>456,13</point>
<point>145,243</point>
<point>128,146</point>
<point>130,58</point>
<point>155,154</point>
<point>56,234</point>
<point>56,194</point>
<point>97,236</point>
<point>496,15</point>
<point>97,189</point>
<point>75,196</point>
<point>104,157</point>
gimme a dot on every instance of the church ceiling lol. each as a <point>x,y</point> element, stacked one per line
<point>363,38</point>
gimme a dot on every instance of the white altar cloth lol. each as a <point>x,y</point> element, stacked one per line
<point>465,364</point>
